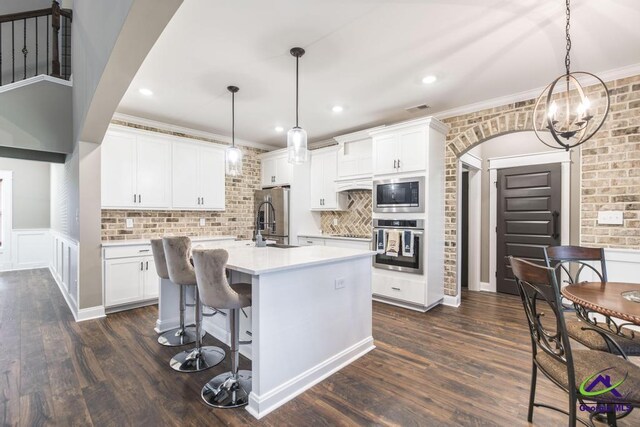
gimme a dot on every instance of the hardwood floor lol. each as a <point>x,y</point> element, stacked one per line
<point>468,366</point>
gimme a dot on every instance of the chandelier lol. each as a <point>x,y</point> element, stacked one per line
<point>564,110</point>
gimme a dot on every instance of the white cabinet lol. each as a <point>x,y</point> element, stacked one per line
<point>355,159</point>
<point>198,176</point>
<point>276,169</point>
<point>334,242</point>
<point>310,241</point>
<point>322,188</point>
<point>135,171</point>
<point>130,276</point>
<point>402,150</point>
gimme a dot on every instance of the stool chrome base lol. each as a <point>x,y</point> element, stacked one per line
<point>225,391</point>
<point>196,361</point>
<point>177,337</point>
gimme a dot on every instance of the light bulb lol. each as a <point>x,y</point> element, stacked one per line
<point>553,109</point>
<point>233,161</point>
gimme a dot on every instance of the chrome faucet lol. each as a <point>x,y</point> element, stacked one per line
<point>260,242</point>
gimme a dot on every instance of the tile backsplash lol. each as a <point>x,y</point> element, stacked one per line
<point>355,220</point>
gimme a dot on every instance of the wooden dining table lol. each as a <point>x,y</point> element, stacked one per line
<point>605,298</point>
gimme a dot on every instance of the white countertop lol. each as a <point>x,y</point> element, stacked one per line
<point>108,243</point>
<point>330,236</point>
<point>256,261</point>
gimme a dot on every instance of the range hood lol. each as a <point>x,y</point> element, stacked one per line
<point>354,184</point>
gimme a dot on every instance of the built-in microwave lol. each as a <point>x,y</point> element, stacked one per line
<point>399,195</point>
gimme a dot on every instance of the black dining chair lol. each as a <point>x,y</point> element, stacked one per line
<point>577,372</point>
<point>570,263</point>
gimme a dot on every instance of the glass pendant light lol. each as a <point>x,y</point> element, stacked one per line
<point>297,137</point>
<point>564,110</point>
<point>233,155</point>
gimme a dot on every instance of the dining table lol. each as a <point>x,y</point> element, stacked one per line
<point>618,302</point>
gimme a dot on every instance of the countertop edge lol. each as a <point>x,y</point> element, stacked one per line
<point>362,254</point>
<point>133,242</point>
<point>328,236</point>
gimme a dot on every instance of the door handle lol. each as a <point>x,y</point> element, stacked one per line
<point>555,215</point>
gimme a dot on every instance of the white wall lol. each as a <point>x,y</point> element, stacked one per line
<point>31,192</point>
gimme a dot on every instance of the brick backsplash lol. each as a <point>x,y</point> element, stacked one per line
<point>235,220</point>
<point>355,220</point>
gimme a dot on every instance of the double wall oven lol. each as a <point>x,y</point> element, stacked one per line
<point>404,261</point>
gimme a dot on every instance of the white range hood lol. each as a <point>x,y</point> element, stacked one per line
<point>354,184</point>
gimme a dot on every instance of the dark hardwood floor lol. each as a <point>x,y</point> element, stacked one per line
<point>467,367</point>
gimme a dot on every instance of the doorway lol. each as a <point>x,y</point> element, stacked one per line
<point>464,230</point>
<point>528,217</point>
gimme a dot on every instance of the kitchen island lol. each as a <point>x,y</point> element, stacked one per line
<point>310,316</point>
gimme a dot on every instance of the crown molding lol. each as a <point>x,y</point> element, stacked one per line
<point>606,76</point>
<point>189,131</point>
<point>357,136</point>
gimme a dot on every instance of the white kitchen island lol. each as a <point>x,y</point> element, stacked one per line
<point>310,316</point>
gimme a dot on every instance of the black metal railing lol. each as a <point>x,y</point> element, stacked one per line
<point>35,42</point>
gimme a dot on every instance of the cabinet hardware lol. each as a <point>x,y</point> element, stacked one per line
<point>147,266</point>
<point>141,266</point>
<point>198,200</point>
<point>134,198</point>
<point>139,198</point>
<point>144,250</point>
<point>248,333</point>
<point>394,164</point>
<point>398,163</point>
<point>203,200</point>
<point>395,289</point>
<point>310,242</point>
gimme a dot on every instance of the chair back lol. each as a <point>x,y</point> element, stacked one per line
<point>177,251</point>
<point>159,259</point>
<point>572,260</point>
<point>539,291</point>
<point>213,287</point>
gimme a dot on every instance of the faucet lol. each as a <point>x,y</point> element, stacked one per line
<point>260,242</point>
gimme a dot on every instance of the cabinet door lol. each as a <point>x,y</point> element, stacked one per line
<point>118,156</point>
<point>185,176</point>
<point>284,171</point>
<point>316,186</point>
<point>329,175</point>
<point>385,150</point>
<point>211,178</point>
<point>268,172</point>
<point>412,150</point>
<point>123,281</point>
<point>151,280</point>
<point>153,175</point>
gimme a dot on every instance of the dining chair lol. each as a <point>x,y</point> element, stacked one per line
<point>586,375</point>
<point>570,262</point>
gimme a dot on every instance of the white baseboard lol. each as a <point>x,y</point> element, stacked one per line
<point>451,301</point>
<point>69,300</point>
<point>259,406</point>
<point>486,287</point>
<point>90,313</point>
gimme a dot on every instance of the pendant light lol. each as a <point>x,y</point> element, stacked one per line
<point>233,155</point>
<point>297,137</point>
<point>564,110</point>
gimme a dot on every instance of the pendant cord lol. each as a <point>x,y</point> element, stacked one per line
<point>567,58</point>
<point>233,119</point>
<point>297,59</point>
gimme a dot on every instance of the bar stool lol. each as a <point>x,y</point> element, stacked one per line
<point>181,335</point>
<point>177,251</point>
<point>231,389</point>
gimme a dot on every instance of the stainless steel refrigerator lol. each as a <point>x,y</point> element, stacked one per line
<point>273,224</point>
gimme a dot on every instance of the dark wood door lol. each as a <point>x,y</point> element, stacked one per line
<point>528,219</point>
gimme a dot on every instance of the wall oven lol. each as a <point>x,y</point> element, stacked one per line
<point>409,256</point>
<point>399,195</point>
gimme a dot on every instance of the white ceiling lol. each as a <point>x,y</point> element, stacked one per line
<point>366,55</point>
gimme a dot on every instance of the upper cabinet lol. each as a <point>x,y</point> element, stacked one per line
<point>135,171</point>
<point>322,189</point>
<point>146,170</point>
<point>276,169</point>
<point>198,176</point>
<point>403,147</point>
<point>354,156</point>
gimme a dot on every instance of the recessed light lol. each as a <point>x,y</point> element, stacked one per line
<point>279,128</point>
<point>145,91</point>
<point>429,79</point>
<point>337,109</point>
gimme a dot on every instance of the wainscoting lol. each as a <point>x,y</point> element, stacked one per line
<point>30,249</point>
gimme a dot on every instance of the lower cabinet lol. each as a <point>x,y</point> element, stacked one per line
<point>334,242</point>
<point>130,280</point>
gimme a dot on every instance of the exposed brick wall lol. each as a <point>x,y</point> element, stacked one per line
<point>236,220</point>
<point>610,167</point>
